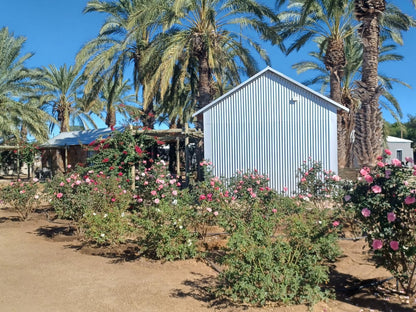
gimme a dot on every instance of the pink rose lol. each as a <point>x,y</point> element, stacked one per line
<point>335,223</point>
<point>157,201</point>
<point>209,209</point>
<point>409,200</point>
<point>274,210</point>
<point>215,213</point>
<point>396,162</point>
<point>409,159</point>
<point>380,164</point>
<point>284,189</point>
<point>394,245</point>
<point>387,151</point>
<point>391,216</point>
<point>61,184</point>
<point>336,178</point>
<point>202,197</point>
<point>365,171</point>
<point>174,193</point>
<point>59,195</point>
<point>377,244</point>
<point>368,178</point>
<point>366,212</point>
<point>153,193</point>
<point>376,189</point>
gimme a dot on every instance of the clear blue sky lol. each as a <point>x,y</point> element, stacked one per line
<point>56,29</point>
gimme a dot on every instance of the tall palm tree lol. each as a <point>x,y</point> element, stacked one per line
<point>17,84</point>
<point>122,41</point>
<point>370,14</point>
<point>331,21</point>
<point>60,88</point>
<point>202,40</point>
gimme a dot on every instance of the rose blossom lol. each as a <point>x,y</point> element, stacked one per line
<point>366,212</point>
<point>376,189</point>
<point>335,223</point>
<point>368,178</point>
<point>377,244</point>
<point>396,162</point>
<point>391,216</point>
<point>409,200</point>
<point>215,213</point>
<point>153,193</point>
<point>394,245</point>
<point>380,164</point>
<point>387,151</point>
<point>156,201</point>
<point>59,195</point>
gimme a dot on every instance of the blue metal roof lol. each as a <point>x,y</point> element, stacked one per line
<point>83,137</point>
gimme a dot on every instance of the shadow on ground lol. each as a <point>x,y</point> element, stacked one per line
<point>368,294</point>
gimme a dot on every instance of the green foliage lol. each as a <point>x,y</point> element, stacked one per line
<point>117,153</point>
<point>384,201</point>
<point>24,197</point>
<point>167,230</point>
<point>277,258</point>
<point>317,184</point>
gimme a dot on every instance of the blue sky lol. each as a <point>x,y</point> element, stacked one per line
<point>56,29</point>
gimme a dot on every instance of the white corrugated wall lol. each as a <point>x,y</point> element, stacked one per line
<point>260,127</point>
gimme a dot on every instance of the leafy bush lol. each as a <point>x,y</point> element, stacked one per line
<point>116,154</point>
<point>278,259</point>
<point>317,184</point>
<point>166,229</point>
<point>96,202</point>
<point>384,200</point>
<point>24,197</point>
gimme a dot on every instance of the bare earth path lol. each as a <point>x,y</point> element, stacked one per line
<point>38,273</point>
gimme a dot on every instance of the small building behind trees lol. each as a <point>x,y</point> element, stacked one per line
<point>400,148</point>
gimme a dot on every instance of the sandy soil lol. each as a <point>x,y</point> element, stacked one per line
<point>43,268</point>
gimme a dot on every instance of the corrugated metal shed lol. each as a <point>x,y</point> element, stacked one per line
<point>270,123</point>
<point>400,148</point>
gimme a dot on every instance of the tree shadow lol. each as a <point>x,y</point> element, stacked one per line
<point>10,219</point>
<point>57,233</point>
<point>364,293</point>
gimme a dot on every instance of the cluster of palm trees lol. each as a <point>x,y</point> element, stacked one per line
<point>181,54</point>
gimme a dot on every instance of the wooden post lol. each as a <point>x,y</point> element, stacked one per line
<point>18,163</point>
<point>186,155</point>
<point>133,177</point>
<point>178,159</point>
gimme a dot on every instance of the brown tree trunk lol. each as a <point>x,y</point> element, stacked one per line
<point>335,62</point>
<point>110,119</point>
<point>204,85</point>
<point>369,134</point>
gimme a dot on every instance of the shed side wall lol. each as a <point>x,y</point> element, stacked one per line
<point>261,127</point>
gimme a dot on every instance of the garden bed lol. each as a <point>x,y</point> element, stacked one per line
<point>45,268</point>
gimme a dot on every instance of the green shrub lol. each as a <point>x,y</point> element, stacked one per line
<point>384,200</point>
<point>278,259</point>
<point>167,231</point>
<point>24,197</point>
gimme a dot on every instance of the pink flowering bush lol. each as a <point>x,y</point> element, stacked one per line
<point>317,184</point>
<point>384,199</point>
<point>98,204</point>
<point>250,186</point>
<point>24,197</point>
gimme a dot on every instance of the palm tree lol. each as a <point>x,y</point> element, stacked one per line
<point>352,71</point>
<point>201,40</point>
<point>17,109</point>
<point>369,124</point>
<point>60,89</point>
<point>123,40</point>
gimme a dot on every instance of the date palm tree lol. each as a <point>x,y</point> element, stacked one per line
<point>121,45</point>
<point>17,82</point>
<point>370,14</point>
<point>201,37</point>
<point>61,90</point>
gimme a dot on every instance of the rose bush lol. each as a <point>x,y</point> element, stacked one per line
<point>384,199</point>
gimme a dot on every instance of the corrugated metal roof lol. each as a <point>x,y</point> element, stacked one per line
<point>392,139</point>
<point>83,137</point>
<point>269,69</point>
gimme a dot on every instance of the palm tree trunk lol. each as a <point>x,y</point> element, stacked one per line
<point>110,119</point>
<point>369,134</point>
<point>204,84</point>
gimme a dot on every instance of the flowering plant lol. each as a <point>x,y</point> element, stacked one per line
<point>384,199</point>
<point>24,197</point>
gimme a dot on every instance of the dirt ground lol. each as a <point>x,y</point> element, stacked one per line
<point>43,267</point>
